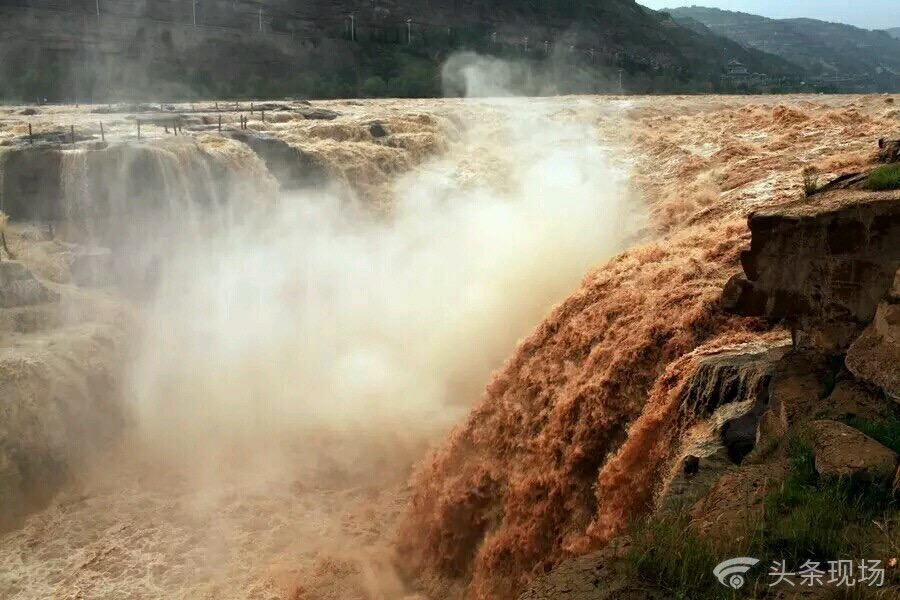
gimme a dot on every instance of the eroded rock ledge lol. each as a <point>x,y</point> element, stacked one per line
<point>822,264</point>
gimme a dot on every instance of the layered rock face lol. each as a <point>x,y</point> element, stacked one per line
<point>875,356</point>
<point>827,265</point>
<point>822,264</point>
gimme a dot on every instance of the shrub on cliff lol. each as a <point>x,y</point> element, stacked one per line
<point>884,178</point>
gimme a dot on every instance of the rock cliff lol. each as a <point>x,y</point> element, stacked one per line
<point>823,264</point>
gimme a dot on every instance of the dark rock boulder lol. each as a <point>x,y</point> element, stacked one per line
<point>377,130</point>
<point>316,113</point>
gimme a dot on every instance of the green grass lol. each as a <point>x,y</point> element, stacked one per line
<point>887,432</point>
<point>668,553</point>
<point>806,518</point>
<point>884,178</point>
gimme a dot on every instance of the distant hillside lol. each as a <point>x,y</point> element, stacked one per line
<point>895,32</point>
<point>60,49</point>
<point>828,52</point>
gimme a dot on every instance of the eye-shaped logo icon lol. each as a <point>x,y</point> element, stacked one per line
<point>731,572</point>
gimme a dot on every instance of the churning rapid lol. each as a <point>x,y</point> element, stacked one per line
<point>368,350</point>
<point>292,354</point>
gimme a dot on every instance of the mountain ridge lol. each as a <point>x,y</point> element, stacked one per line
<point>258,48</point>
<point>825,51</point>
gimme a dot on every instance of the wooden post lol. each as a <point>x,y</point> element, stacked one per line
<point>102,135</point>
<point>139,128</point>
<point>217,106</point>
<point>174,127</point>
<point>263,116</point>
<point>30,135</point>
<point>72,130</point>
<point>220,122</point>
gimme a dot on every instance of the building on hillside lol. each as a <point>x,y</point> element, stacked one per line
<point>736,68</point>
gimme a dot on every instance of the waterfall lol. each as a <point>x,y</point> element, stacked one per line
<point>144,202</point>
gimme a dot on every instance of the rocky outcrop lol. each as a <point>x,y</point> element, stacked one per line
<point>852,399</point>
<point>822,264</point>
<point>293,168</point>
<point>602,575</point>
<point>730,391</point>
<point>18,287</point>
<point>31,186</point>
<point>736,500</point>
<point>875,356</point>
<point>842,451</point>
<point>889,150</point>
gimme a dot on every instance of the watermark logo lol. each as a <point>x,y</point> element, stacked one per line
<point>730,573</point>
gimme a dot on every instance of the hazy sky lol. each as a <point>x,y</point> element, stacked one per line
<point>873,14</point>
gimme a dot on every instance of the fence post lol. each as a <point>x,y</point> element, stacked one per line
<point>263,113</point>
<point>72,130</point>
<point>220,122</point>
<point>102,135</point>
<point>139,128</point>
<point>30,135</point>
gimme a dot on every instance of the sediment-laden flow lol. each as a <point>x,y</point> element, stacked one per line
<point>294,353</point>
<point>574,435</point>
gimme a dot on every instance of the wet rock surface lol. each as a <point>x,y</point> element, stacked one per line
<point>31,185</point>
<point>92,266</point>
<point>889,150</point>
<point>318,113</point>
<point>19,287</point>
<point>293,168</point>
<point>731,391</point>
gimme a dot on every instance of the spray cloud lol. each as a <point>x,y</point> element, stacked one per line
<point>318,314</point>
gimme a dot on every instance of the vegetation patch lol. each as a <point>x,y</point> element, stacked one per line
<point>884,178</point>
<point>886,432</point>
<point>810,180</point>
<point>806,518</point>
